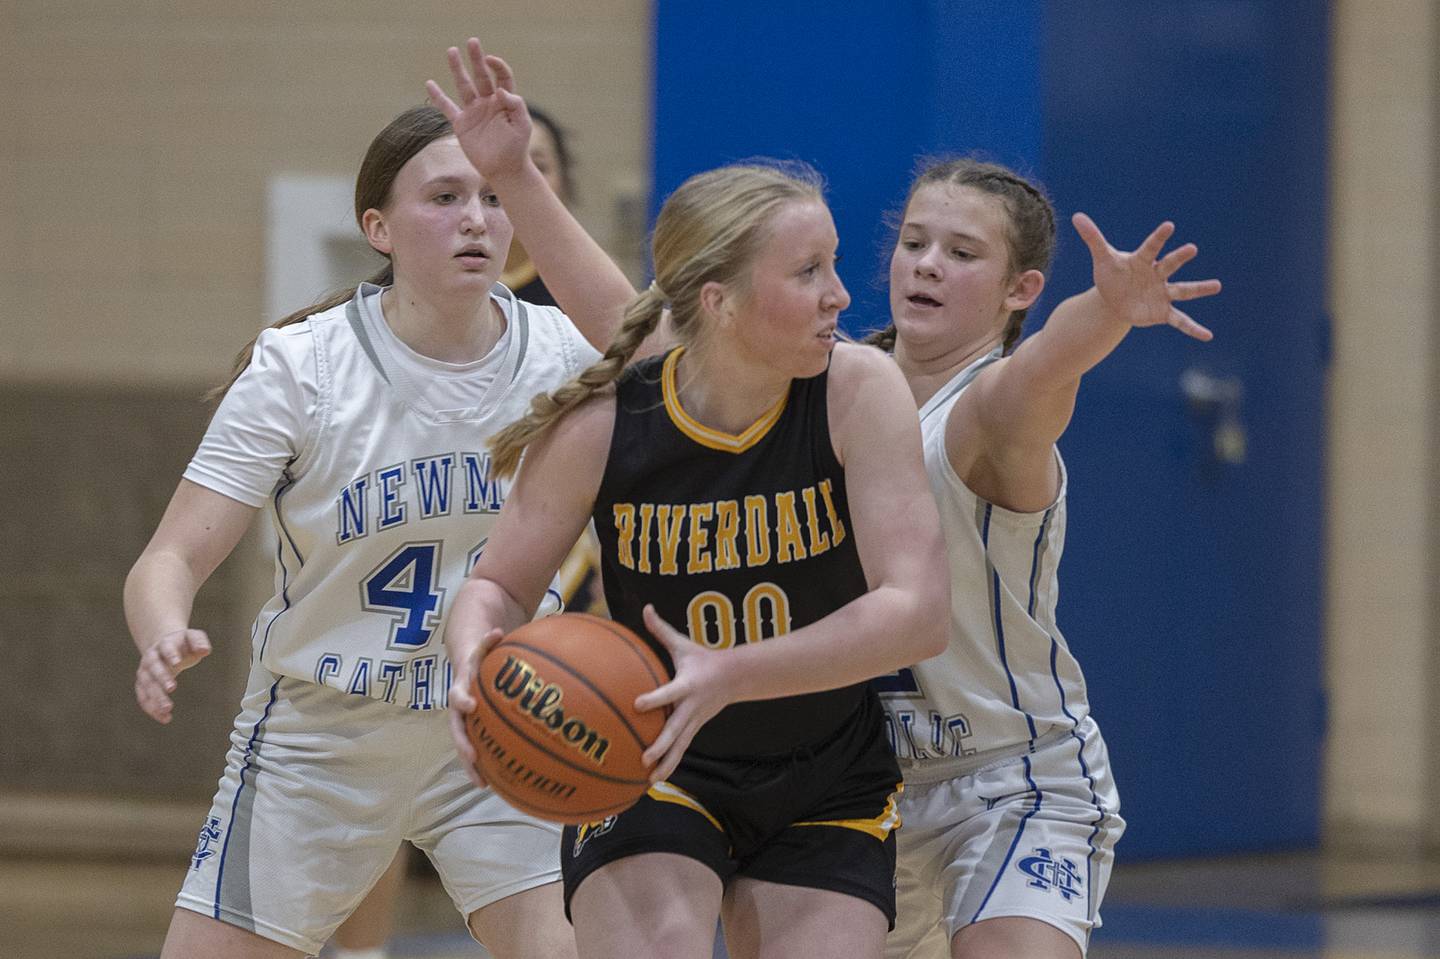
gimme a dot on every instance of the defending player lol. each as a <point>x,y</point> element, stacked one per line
<point>359,425</point>
<point>1010,811</point>
<point>762,487</point>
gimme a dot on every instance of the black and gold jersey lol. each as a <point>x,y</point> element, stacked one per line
<point>735,538</point>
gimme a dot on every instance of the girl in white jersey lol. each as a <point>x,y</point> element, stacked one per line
<point>1010,813</point>
<point>360,426</point>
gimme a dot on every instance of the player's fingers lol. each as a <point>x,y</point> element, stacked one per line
<point>673,756</point>
<point>462,698</point>
<point>152,701</point>
<point>1176,258</point>
<point>158,672</point>
<point>1150,249</point>
<point>441,101</point>
<point>1192,289</point>
<point>665,695</point>
<point>193,648</point>
<point>464,84</point>
<point>663,631</point>
<point>487,643</point>
<point>504,76</point>
<point>1090,234</point>
<point>483,82</point>
<point>460,732</point>
<point>668,734</point>
<point>1189,327</point>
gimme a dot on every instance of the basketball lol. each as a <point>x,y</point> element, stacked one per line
<point>555,728</point>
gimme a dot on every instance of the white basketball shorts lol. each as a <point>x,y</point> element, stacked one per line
<point>319,790</point>
<point>1030,834</point>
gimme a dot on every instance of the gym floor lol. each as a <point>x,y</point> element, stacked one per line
<point>1264,907</point>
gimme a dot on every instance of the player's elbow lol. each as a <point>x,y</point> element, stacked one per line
<point>926,615</point>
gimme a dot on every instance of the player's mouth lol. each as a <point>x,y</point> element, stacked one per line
<point>474,254</point>
<point>923,301</point>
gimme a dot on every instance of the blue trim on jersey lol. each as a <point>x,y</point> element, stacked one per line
<point>1010,853</point>
<point>234,803</point>
<point>1035,572</point>
<point>1065,708</point>
<point>280,520</point>
<point>999,626</point>
<point>284,569</point>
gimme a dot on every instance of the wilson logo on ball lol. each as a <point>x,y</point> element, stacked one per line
<point>541,702</point>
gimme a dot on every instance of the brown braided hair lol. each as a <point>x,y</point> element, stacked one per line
<point>1030,216</point>
<point>710,229</point>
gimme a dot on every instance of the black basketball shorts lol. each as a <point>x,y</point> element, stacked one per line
<point>822,817</point>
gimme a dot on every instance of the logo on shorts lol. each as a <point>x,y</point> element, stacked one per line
<point>209,833</point>
<point>590,830</point>
<point>1047,872</point>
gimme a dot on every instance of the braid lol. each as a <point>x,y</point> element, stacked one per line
<point>546,409</point>
<point>884,339</point>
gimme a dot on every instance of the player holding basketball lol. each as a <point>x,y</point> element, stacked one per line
<point>1011,814</point>
<point>359,425</point>
<point>758,482</point>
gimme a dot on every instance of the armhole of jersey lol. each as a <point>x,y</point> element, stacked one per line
<point>953,479</point>
<point>520,315</point>
<point>316,426</point>
<point>831,453</point>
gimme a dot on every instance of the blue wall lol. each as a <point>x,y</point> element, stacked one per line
<point>1191,587</point>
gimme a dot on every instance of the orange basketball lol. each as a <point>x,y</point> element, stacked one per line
<point>555,726</point>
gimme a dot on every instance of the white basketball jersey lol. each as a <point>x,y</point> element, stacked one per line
<point>1007,676</point>
<point>381,503</point>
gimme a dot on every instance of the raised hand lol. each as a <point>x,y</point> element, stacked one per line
<point>695,695</point>
<point>490,120</point>
<point>160,667</point>
<point>1136,286</point>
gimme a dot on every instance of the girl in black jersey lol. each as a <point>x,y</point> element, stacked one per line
<point>761,488</point>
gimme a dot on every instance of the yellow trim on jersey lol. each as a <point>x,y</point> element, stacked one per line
<point>702,434</point>
<point>668,792</point>
<point>879,827</point>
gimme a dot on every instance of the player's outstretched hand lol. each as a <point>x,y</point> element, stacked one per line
<point>695,695</point>
<point>1136,286</point>
<point>160,667</point>
<point>490,120</point>
<point>464,697</point>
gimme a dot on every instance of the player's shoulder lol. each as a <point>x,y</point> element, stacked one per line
<point>291,345</point>
<point>592,421</point>
<point>547,320</point>
<point>856,366</point>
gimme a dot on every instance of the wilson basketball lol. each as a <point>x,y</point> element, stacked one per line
<point>555,728</point>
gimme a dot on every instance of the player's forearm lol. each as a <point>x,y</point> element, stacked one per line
<point>1079,334</point>
<point>1032,398</point>
<point>159,595</point>
<point>888,628</point>
<point>587,284</point>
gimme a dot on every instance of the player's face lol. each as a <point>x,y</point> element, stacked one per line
<point>546,157</point>
<point>950,271</point>
<point>793,303</point>
<point>444,226</point>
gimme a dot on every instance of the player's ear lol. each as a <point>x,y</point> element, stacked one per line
<point>377,232</point>
<point>716,301</point>
<point>1024,290</point>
